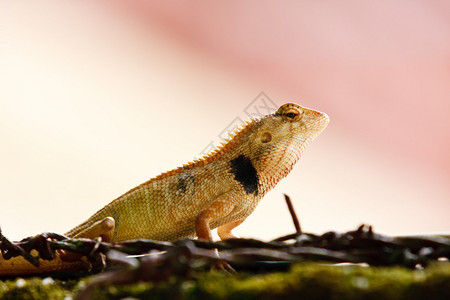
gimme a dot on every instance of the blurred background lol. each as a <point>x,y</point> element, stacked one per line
<point>97,97</point>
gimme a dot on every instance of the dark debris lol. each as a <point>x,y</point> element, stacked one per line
<point>158,260</point>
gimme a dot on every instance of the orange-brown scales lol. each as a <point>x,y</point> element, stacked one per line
<point>218,191</point>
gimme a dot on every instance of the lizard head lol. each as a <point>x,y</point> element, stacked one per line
<point>277,141</point>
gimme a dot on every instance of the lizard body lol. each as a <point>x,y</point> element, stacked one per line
<point>218,191</point>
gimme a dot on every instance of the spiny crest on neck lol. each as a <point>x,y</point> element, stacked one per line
<point>236,137</point>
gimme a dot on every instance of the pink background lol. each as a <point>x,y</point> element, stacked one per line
<point>99,96</point>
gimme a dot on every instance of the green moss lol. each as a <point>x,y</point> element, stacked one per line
<point>311,281</point>
<point>31,289</point>
<point>304,281</point>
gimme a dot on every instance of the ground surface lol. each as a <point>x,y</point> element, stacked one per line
<point>305,281</point>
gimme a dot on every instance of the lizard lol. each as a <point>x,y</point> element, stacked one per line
<point>220,190</point>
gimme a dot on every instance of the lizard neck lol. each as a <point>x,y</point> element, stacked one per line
<point>278,164</point>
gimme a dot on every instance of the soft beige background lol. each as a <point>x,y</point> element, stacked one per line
<point>99,96</point>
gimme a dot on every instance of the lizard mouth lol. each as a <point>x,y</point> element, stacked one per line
<point>319,124</point>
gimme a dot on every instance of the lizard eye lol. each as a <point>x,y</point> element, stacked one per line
<point>292,114</point>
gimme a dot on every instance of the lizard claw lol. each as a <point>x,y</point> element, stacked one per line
<point>223,266</point>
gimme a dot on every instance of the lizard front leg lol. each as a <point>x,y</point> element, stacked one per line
<point>219,208</point>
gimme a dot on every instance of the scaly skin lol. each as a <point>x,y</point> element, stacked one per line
<point>218,191</point>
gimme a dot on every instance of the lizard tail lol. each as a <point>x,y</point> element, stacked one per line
<point>18,266</point>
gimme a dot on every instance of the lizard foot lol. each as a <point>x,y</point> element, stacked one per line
<point>223,266</point>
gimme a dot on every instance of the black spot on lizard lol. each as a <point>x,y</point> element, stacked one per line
<point>245,173</point>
